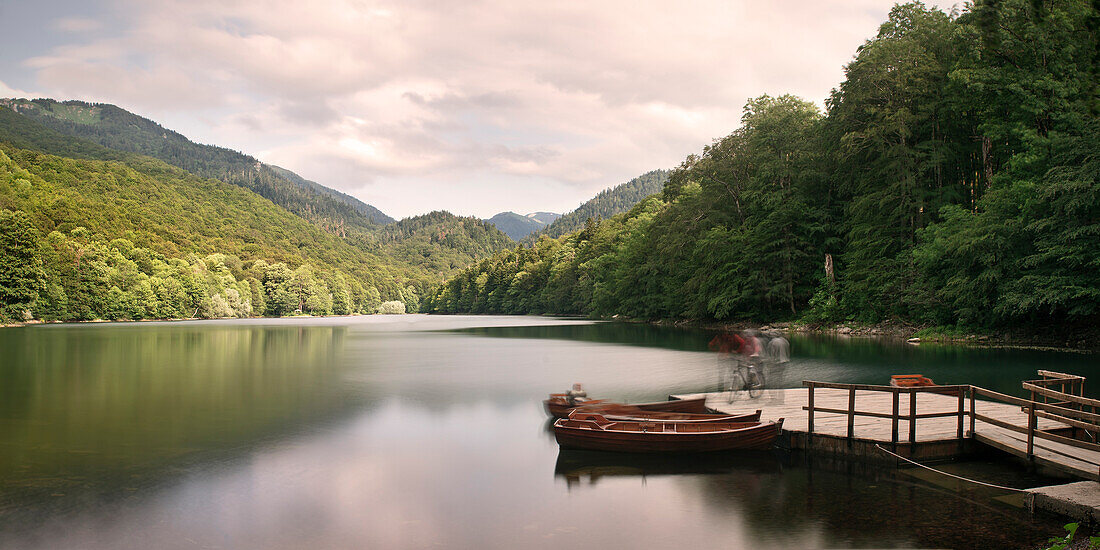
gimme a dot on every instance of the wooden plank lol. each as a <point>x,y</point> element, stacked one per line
<point>1065,397</point>
<point>885,389</point>
<point>1044,457</point>
<point>1060,375</point>
<point>1001,423</point>
<point>1068,421</point>
<point>1002,397</point>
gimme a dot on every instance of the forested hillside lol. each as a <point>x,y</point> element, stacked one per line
<point>607,203</point>
<point>952,180</point>
<point>121,130</point>
<point>86,239</point>
<point>421,263</point>
<point>442,242</point>
<point>101,233</point>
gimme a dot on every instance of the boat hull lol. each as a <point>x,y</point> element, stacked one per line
<point>667,437</point>
<point>561,409</point>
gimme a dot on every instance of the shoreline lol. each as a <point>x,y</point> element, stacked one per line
<point>1088,343</point>
<point>34,322</point>
<point>896,331</point>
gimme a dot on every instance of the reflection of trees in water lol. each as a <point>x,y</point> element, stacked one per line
<point>840,359</point>
<point>98,407</point>
<point>629,334</point>
<point>856,504</point>
<point>840,503</point>
<point>579,467</point>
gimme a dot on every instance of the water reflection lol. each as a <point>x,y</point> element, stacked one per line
<point>424,431</point>
<point>585,468</point>
<point>111,410</point>
<point>794,503</point>
<point>838,358</point>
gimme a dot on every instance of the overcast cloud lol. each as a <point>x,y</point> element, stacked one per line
<point>474,107</point>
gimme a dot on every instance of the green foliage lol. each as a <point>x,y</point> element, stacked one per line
<point>1061,543</point>
<point>119,130</point>
<point>104,132</point>
<point>393,307</point>
<point>21,275</point>
<point>954,179</point>
<point>606,204</point>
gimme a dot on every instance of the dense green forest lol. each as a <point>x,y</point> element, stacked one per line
<point>75,223</point>
<point>120,130</point>
<point>607,203</point>
<point>80,237</point>
<point>951,181</point>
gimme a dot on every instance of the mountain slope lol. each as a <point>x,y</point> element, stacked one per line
<point>424,260</point>
<point>606,204</point>
<point>374,214</point>
<point>118,129</point>
<point>169,211</point>
<point>518,227</point>
<point>444,242</point>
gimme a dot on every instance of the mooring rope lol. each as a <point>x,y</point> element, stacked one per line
<point>950,475</point>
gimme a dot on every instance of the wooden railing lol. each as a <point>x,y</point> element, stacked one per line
<point>895,415</point>
<point>1065,405</point>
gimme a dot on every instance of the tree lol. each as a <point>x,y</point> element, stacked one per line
<point>21,275</point>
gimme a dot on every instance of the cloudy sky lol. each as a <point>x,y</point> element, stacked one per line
<point>473,107</point>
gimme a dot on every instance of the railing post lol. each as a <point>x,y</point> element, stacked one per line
<point>851,413</point>
<point>912,417</point>
<point>1031,432</point>
<point>810,410</point>
<point>972,412</point>
<point>894,421</point>
<point>962,411</point>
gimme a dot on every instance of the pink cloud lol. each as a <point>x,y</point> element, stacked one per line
<point>413,94</point>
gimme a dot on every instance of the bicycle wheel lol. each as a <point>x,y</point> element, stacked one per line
<point>755,383</point>
<point>737,386</point>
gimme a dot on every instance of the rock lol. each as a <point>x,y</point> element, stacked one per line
<point>844,330</point>
<point>913,340</point>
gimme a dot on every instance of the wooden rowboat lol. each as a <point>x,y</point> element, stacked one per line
<point>910,380</point>
<point>918,381</point>
<point>594,432</point>
<point>558,406</point>
<point>628,413</point>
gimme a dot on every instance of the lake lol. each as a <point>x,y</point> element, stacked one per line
<point>427,431</point>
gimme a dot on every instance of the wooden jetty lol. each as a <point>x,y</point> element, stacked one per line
<point>1053,432</point>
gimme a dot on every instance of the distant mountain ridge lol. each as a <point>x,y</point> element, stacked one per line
<point>116,128</point>
<point>606,204</point>
<point>518,226</point>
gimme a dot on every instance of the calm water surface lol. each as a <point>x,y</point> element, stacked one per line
<point>420,432</point>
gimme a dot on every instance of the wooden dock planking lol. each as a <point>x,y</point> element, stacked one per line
<point>1050,456</point>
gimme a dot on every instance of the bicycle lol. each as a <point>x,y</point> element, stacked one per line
<point>744,378</point>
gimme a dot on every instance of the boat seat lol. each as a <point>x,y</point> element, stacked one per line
<point>597,418</point>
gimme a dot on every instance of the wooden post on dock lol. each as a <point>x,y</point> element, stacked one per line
<point>962,412</point>
<point>851,414</point>
<point>1031,420</point>
<point>912,419</point>
<point>894,421</point>
<point>972,412</point>
<point>810,415</point>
